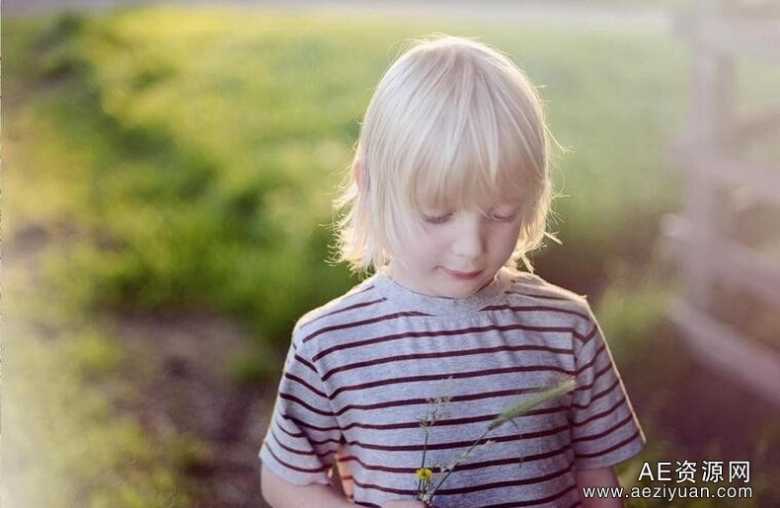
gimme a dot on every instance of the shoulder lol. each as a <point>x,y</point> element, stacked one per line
<point>532,291</point>
<point>359,303</point>
<point>529,287</point>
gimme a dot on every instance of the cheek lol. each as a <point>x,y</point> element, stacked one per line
<point>430,243</point>
<point>505,238</point>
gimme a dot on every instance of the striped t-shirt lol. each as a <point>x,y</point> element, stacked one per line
<point>362,370</point>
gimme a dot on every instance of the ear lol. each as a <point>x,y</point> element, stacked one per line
<point>360,175</point>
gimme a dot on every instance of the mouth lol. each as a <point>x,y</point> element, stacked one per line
<point>463,275</point>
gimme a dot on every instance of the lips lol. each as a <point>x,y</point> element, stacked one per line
<point>463,275</point>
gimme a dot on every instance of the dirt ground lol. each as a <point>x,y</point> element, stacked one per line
<point>188,389</point>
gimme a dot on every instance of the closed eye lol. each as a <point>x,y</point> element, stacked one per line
<point>439,219</point>
<point>504,218</point>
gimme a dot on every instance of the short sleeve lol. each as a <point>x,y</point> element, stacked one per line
<point>303,435</point>
<point>605,429</point>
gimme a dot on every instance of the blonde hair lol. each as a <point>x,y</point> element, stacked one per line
<point>452,123</point>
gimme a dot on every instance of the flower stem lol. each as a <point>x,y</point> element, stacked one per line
<point>464,456</point>
<point>422,464</point>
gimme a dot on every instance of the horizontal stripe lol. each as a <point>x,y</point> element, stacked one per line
<point>588,336</point>
<point>288,432</point>
<point>466,466</point>
<point>449,422</point>
<point>303,383</point>
<point>604,413</point>
<point>422,401</point>
<point>544,297</point>
<point>295,468</point>
<point>507,483</point>
<point>454,445</point>
<point>446,333</point>
<point>293,398</point>
<point>475,488</point>
<point>592,361</point>
<point>598,395</point>
<point>309,453</point>
<point>447,354</point>
<point>313,442</point>
<point>359,305</point>
<point>607,368</point>
<point>606,432</point>
<point>537,308</point>
<point>438,377</point>
<point>303,424</point>
<point>337,303</point>
<point>353,324</point>
<point>532,502</point>
<point>305,362</point>
<point>610,449</point>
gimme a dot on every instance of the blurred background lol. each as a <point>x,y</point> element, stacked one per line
<point>169,170</point>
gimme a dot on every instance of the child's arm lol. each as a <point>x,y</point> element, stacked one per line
<point>280,493</point>
<point>602,477</point>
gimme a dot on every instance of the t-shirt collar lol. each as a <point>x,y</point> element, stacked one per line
<point>441,305</point>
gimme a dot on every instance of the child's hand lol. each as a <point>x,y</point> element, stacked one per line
<point>404,504</point>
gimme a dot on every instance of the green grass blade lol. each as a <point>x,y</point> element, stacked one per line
<point>526,405</point>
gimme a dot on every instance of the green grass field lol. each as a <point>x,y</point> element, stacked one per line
<point>167,160</point>
<point>213,152</point>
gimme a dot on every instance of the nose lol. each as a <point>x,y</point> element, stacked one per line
<point>468,243</point>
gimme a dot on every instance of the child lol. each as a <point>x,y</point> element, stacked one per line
<point>449,190</point>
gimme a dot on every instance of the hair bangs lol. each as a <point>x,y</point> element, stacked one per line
<point>475,154</point>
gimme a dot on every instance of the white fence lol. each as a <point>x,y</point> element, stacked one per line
<point>720,33</point>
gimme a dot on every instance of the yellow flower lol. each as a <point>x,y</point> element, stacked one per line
<point>424,473</point>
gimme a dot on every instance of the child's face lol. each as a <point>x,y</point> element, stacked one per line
<point>458,251</point>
